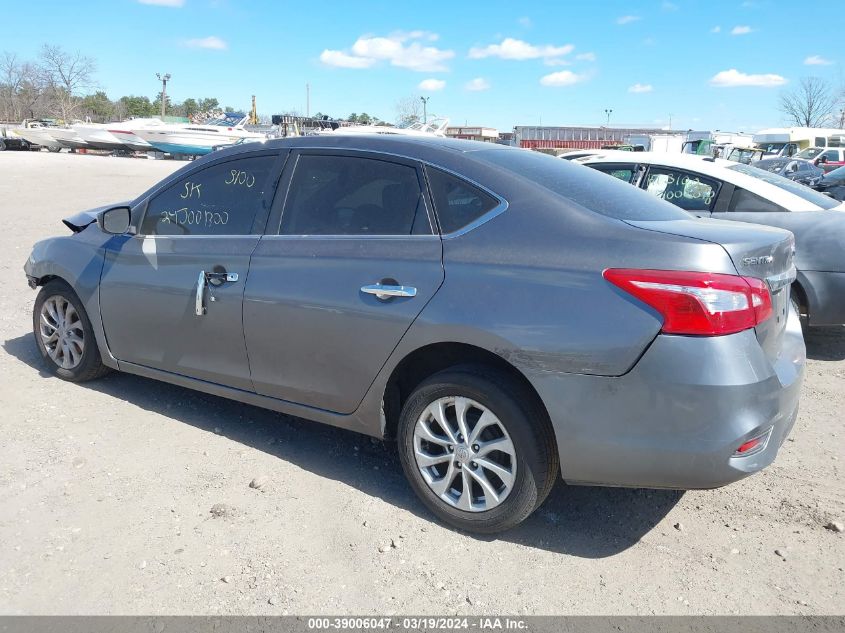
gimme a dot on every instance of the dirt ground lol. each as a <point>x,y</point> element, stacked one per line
<point>109,492</point>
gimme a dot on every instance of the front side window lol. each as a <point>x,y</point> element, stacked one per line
<point>223,199</point>
<point>348,195</point>
<point>743,201</point>
<point>689,191</point>
<point>457,202</point>
<point>832,155</point>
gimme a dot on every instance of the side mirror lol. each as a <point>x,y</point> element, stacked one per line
<point>822,159</point>
<point>115,221</point>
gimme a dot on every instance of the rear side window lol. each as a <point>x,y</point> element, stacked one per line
<point>457,202</point>
<point>623,173</point>
<point>743,201</point>
<point>348,195</point>
<point>223,199</point>
<point>691,192</point>
<point>583,186</point>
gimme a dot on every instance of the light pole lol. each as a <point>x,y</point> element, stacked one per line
<point>607,113</point>
<point>425,108</point>
<point>163,79</point>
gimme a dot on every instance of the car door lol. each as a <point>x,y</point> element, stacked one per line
<point>171,296</point>
<point>354,260</point>
<point>690,191</point>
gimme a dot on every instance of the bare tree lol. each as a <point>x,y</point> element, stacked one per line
<point>811,104</point>
<point>21,89</point>
<point>66,75</point>
<point>408,110</point>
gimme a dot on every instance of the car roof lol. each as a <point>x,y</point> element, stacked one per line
<point>713,167</point>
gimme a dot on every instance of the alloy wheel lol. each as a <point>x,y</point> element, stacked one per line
<point>61,332</point>
<point>464,454</point>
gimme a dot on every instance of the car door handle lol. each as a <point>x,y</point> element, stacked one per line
<point>199,299</point>
<point>202,286</point>
<point>383,292</point>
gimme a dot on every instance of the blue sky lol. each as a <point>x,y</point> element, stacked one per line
<point>709,64</point>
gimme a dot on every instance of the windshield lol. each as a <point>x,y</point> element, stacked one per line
<point>771,147</point>
<point>809,153</point>
<point>805,193</point>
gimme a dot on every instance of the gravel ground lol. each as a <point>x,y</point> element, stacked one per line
<point>129,496</point>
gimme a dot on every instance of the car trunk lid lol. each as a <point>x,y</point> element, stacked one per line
<point>756,251</point>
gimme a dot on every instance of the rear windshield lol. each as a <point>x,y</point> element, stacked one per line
<point>587,187</point>
<point>807,194</point>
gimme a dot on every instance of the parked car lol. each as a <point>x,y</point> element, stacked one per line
<point>833,184</point>
<point>733,191</point>
<point>507,316</point>
<point>830,159</point>
<point>9,141</point>
<point>746,155</point>
<point>801,171</point>
<point>826,158</point>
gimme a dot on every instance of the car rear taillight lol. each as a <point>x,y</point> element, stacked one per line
<point>702,304</point>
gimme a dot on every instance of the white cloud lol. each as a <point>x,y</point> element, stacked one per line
<point>640,88</point>
<point>401,49</point>
<point>164,3</point>
<point>716,29</point>
<point>669,6</point>
<point>432,85</point>
<point>525,22</point>
<point>733,78</point>
<point>340,59</point>
<point>512,48</point>
<point>477,85</point>
<point>211,42</point>
<point>586,57</point>
<point>627,19</point>
<point>562,78</point>
<point>741,30</point>
<point>817,60</point>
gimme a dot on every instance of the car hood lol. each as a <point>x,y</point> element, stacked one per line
<point>79,221</point>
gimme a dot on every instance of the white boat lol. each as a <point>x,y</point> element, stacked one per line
<point>68,137</point>
<point>126,136</point>
<point>97,136</point>
<point>196,138</point>
<point>434,127</point>
<point>38,134</point>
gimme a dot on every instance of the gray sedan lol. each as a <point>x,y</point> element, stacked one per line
<point>509,318</point>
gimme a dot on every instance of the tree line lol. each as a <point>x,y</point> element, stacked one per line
<point>61,85</point>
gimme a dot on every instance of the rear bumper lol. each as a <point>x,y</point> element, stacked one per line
<point>675,420</point>
<point>826,296</point>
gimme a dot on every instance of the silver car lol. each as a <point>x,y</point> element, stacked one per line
<point>508,317</point>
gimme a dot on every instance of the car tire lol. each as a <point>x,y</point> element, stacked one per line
<point>64,335</point>
<point>521,427</point>
<point>803,318</point>
<point>2,146</point>
<point>54,150</point>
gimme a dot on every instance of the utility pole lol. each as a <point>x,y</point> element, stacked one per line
<point>607,113</point>
<point>425,108</point>
<point>670,121</point>
<point>307,100</point>
<point>163,79</point>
